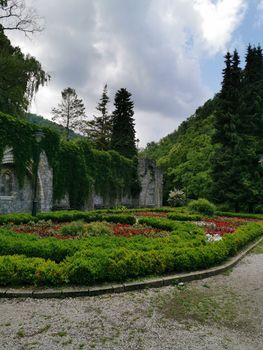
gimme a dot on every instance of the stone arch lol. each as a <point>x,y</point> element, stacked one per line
<point>6,182</point>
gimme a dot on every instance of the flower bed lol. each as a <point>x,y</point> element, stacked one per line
<point>151,214</point>
<point>138,230</point>
<point>156,246</point>
<point>44,229</point>
<point>225,225</point>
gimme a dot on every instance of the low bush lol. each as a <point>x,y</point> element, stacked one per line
<point>108,258</point>
<point>202,206</point>
<point>177,198</point>
<point>240,215</point>
<point>184,217</point>
<point>16,218</point>
<point>97,229</point>
<point>74,228</point>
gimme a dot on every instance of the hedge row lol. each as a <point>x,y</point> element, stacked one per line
<point>65,216</point>
<point>111,215</point>
<point>182,234</point>
<point>118,259</point>
<point>184,217</point>
<point>240,215</point>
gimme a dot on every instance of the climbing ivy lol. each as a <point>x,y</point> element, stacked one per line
<point>19,134</point>
<point>78,169</point>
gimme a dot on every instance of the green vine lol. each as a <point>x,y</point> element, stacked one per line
<point>19,134</point>
<point>77,168</point>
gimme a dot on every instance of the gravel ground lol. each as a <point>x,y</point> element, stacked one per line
<point>221,312</point>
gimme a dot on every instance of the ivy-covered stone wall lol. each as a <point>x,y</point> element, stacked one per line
<point>70,175</point>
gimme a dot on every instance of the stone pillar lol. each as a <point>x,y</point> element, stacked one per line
<point>151,179</point>
<point>45,184</point>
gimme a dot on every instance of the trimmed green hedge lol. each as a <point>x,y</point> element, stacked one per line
<point>240,215</point>
<point>111,215</point>
<point>30,260</point>
<point>70,215</point>
<point>184,217</point>
<point>16,218</point>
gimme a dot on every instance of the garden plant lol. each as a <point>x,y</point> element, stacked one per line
<point>72,247</point>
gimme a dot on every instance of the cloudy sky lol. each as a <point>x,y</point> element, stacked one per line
<point>167,53</point>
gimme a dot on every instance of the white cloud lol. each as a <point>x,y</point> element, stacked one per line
<point>260,5</point>
<point>219,19</point>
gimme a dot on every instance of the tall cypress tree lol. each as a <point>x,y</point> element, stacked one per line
<point>226,161</point>
<point>123,132</point>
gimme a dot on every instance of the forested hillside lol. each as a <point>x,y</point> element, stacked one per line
<point>40,121</point>
<point>215,153</point>
<point>185,154</point>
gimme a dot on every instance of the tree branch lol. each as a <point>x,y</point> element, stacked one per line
<point>14,15</point>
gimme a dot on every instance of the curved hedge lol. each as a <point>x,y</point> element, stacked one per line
<point>29,260</point>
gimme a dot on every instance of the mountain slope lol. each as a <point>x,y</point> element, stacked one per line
<point>185,154</point>
<point>38,120</point>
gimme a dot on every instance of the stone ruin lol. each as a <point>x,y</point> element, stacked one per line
<point>16,199</point>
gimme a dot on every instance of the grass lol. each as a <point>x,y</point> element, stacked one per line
<point>61,333</point>
<point>202,305</point>
<point>21,333</point>
<point>258,249</point>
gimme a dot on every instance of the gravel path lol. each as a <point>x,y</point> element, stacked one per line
<point>221,312</point>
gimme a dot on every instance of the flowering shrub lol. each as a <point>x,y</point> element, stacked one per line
<point>213,238</point>
<point>177,198</point>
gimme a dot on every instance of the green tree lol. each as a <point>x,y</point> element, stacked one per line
<point>100,128</point>
<point>20,78</point>
<point>70,111</point>
<point>251,128</point>
<point>226,163</point>
<point>123,132</point>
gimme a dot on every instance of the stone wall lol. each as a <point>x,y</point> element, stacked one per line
<point>16,199</point>
<point>13,198</point>
<point>151,179</point>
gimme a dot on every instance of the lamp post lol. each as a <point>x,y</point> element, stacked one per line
<point>38,137</point>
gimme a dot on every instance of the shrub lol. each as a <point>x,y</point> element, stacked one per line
<point>75,228</point>
<point>202,206</point>
<point>184,217</point>
<point>108,258</point>
<point>177,198</point>
<point>98,229</point>
<point>16,218</point>
<point>240,215</point>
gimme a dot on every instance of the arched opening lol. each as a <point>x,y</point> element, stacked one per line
<point>6,183</point>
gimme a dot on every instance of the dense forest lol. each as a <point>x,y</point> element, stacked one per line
<point>215,153</point>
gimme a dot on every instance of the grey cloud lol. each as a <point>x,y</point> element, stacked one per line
<point>146,46</point>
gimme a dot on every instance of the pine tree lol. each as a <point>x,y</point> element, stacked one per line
<point>251,128</point>
<point>70,111</point>
<point>226,161</point>
<point>123,132</point>
<point>100,128</point>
